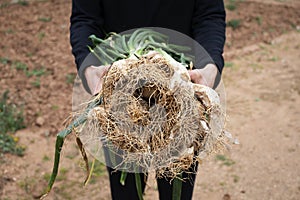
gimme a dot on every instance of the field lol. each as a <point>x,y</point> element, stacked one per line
<point>261,77</point>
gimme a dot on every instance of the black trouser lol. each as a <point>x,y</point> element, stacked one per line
<point>165,189</point>
<point>128,191</point>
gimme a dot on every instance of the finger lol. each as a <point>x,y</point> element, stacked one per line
<point>198,78</point>
<point>101,71</point>
<point>98,87</point>
<point>195,76</point>
<point>192,74</point>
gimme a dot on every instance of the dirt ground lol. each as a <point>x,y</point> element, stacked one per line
<point>261,77</point>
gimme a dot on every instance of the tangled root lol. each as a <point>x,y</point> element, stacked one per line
<point>153,117</point>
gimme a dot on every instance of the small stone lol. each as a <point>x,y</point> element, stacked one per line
<point>226,197</point>
<point>40,121</point>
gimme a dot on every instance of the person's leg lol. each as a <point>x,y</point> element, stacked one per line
<point>127,191</point>
<point>165,188</point>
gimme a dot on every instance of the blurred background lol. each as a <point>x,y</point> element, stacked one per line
<point>261,77</point>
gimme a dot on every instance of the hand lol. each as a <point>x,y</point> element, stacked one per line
<point>94,77</point>
<point>205,76</point>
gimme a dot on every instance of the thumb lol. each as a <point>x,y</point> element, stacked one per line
<point>99,80</point>
<point>192,74</point>
<point>94,76</point>
<point>197,77</point>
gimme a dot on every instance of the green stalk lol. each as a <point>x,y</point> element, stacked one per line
<point>123,177</point>
<point>124,44</point>
<point>60,141</point>
<point>138,43</point>
<point>109,59</point>
<point>93,52</point>
<point>58,146</point>
<point>91,172</point>
<point>132,37</point>
<point>116,54</point>
<point>177,187</point>
<point>95,40</point>
<point>85,158</point>
<point>138,185</point>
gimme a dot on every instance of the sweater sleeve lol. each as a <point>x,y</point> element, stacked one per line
<point>208,28</point>
<point>86,19</point>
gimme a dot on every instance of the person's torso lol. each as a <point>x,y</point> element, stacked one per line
<point>121,15</point>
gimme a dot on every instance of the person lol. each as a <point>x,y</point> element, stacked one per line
<point>203,20</point>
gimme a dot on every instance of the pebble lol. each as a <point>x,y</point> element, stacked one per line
<point>40,121</point>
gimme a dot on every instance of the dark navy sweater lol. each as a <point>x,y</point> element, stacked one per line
<point>203,20</point>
